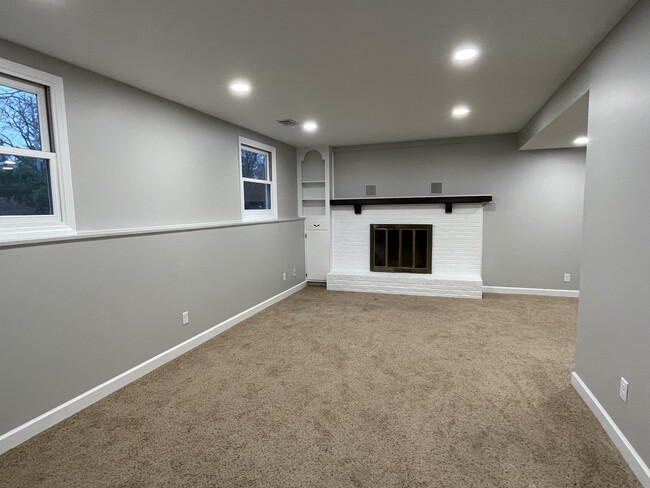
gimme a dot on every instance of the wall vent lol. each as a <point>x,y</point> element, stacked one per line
<point>436,188</point>
<point>289,122</point>
<point>371,190</point>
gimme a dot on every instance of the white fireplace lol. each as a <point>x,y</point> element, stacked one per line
<point>456,252</point>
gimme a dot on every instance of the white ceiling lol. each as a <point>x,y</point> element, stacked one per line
<point>367,70</point>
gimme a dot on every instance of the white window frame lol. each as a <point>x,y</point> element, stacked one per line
<point>265,214</point>
<point>18,228</point>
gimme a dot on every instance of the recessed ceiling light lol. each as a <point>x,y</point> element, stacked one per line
<point>465,54</point>
<point>581,141</point>
<point>460,111</point>
<point>240,87</point>
<point>7,168</point>
<point>9,161</point>
<point>310,126</point>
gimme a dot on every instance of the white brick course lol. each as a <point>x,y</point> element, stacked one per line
<point>457,245</point>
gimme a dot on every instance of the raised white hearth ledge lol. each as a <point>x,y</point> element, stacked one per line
<point>406,284</point>
<point>457,247</point>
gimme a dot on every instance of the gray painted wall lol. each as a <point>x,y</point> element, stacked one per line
<point>75,314</point>
<point>139,160</point>
<point>532,231</point>
<point>78,313</point>
<point>614,315</point>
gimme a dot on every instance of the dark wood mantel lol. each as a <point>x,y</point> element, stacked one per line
<point>448,200</point>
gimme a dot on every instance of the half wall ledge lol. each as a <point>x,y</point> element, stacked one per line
<point>447,200</point>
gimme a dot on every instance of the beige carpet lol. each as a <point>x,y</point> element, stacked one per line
<point>333,389</point>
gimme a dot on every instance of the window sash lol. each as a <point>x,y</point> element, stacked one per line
<point>268,187</point>
<point>41,99</point>
<point>255,150</point>
<point>244,147</point>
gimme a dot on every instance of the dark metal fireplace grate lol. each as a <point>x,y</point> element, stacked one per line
<point>400,248</point>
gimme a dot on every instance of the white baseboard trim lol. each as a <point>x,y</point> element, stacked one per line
<point>639,467</point>
<point>37,425</point>
<point>531,291</point>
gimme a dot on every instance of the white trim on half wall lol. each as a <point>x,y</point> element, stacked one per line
<point>37,425</point>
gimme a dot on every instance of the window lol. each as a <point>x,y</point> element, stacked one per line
<point>35,183</point>
<point>258,180</point>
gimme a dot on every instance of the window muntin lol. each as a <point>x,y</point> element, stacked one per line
<point>35,182</point>
<point>258,182</point>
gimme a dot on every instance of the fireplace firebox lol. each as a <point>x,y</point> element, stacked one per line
<point>400,248</point>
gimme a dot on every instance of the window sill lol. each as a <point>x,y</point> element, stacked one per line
<point>259,218</point>
<point>17,236</point>
<point>259,215</point>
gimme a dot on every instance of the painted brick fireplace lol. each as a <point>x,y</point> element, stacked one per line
<point>456,254</point>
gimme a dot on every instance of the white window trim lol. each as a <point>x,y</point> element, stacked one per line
<point>20,228</point>
<point>257,215</point>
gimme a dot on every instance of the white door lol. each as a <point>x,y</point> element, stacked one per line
<point>317,254</point>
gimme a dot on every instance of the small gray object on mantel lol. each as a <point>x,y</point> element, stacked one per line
<point>436,188</point>
<point>371,190</point>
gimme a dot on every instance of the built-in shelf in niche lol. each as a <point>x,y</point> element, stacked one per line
<point>313,191</point>
<point>313,207</point>
<point>313,185</point>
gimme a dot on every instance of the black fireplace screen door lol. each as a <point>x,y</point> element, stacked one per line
<point>400,248</point>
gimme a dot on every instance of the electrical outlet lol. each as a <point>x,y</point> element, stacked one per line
<point>622,391</point>
<point>186,318</point>
<point>567,277</point>
<point>294,272</point>
<point>284,276</point>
